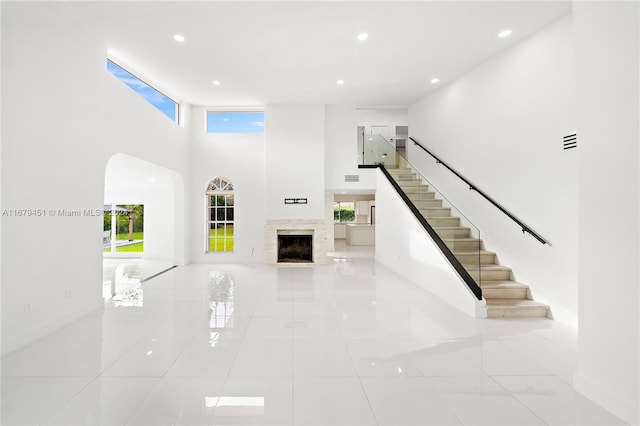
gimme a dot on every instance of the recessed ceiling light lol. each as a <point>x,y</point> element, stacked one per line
<point>435,80</point>
<point>340,82</point>
<point>505,33</point>
<point>178,38</point>
<point>363,36</point>
<point>215,83</point>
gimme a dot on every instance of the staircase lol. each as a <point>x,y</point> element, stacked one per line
<point>505,298</point>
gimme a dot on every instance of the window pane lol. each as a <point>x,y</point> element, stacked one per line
<point>235,122</point>
<point>230,214</point>
<point>220,214</point>
<point>166,105</point>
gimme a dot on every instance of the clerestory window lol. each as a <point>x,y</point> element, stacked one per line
<point>165,104</point>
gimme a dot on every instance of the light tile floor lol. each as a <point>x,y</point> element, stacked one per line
<point>346,343</point>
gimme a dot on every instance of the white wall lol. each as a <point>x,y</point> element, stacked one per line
<point>294,161</point>
<point>501,126</point>
<point>404,246</point>
<point>607,55</point>
<point>240,158</point>
<point>68,116</point>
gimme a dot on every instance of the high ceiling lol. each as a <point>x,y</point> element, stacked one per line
<point>295,51</point>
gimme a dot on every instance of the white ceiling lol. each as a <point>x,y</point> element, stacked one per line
<point>294,51</point>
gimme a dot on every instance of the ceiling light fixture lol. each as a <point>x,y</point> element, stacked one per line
<point>505,33</point>
<point>363,36</point>
<point>340,82</point>
<point>434,80</point>
<point>178,38</point>
<point>215,83</point>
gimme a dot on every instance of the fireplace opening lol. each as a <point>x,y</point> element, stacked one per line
<point>295,248</point>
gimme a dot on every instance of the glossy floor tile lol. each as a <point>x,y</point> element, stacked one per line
<point>340,344</point>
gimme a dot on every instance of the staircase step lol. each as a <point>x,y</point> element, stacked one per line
<point>452,231</point>
<point>422,189</point>
<point>463,244</point>
<point>471,257</point>
<point>428,203</point>
<point>443,221</point>
<point>516,308</point>
<point>504,290</point>
<point>403,182</point>
<point>422,196</point>
<point>489,272</point>
<point>435,212</point>
<point>402,174</point>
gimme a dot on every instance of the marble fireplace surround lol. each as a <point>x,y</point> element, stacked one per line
<point>315,227</point>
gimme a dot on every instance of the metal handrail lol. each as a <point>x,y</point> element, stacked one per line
<point>472,187</point>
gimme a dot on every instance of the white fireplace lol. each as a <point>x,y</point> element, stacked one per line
<point>302,228</point>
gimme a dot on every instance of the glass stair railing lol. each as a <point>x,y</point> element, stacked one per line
<point>456,236</point>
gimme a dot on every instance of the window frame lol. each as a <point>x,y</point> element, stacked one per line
<point>209,209</point>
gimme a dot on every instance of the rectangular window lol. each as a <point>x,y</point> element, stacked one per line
<point>165,104</point>
<point>220,223</point>
<point>235,121</point>
<point>344,211</point>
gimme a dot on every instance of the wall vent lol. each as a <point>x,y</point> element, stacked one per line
<point>352,178</point>
<point>570,141</point>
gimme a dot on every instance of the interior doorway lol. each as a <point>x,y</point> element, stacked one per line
<point>143,225</point>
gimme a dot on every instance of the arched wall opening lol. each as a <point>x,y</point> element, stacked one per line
<point>132,181</point>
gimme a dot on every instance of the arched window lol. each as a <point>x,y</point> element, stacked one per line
<point>220,206</point>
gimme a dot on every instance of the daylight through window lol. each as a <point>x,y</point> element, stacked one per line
<point>344,211</point>
<point>235,121</point>
<point>220,216</point>
<point>166,105</point>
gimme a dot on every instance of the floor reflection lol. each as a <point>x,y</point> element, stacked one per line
<point>221,298</point>
<point>122,279</point>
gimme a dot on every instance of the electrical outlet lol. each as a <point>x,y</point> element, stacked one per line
<point>68,293</point>
<point>28,306</point>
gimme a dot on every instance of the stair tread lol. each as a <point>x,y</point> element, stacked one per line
<point>475,252</point>
<point>514,303</point>
<point>486,267</point>
<point>449,228</point>
<point>502,284</point>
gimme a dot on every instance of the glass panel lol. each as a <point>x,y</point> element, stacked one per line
<point>235,122</point>
<point>451,225</point>
<point>166,105</point>
<point>230,214</point>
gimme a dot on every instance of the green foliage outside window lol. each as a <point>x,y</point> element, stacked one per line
<point>344,212</point>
